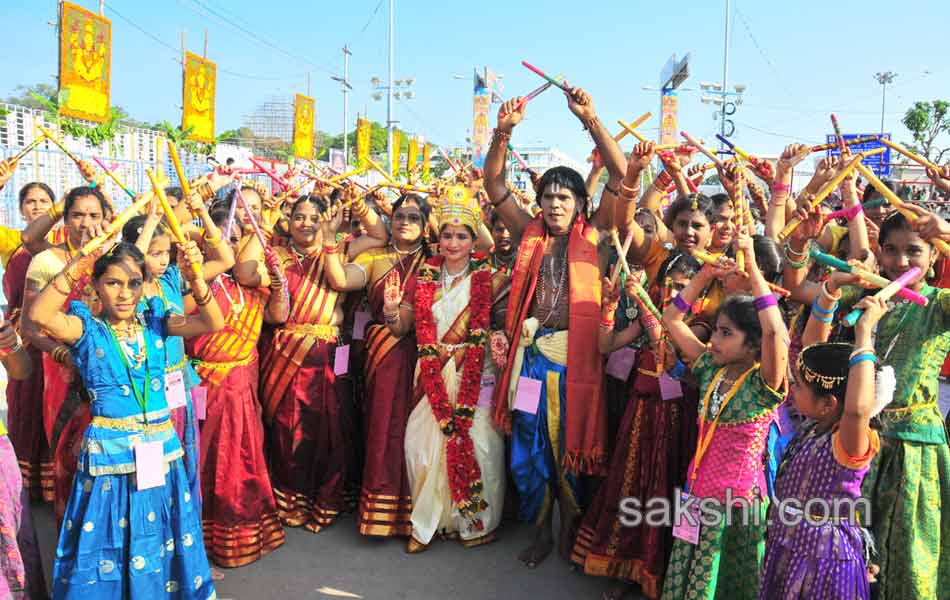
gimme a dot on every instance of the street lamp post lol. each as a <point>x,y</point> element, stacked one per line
<point>884,78</point>
<point>345,84</point>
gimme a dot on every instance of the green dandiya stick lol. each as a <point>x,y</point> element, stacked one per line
<point>551,80</point>
<point>114,177</point>
<point>638,289</point>
<point>873,278</point>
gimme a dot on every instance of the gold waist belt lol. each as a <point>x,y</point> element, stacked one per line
<point>241,362</point>
<point>327,333</point>
<point>132,424</point>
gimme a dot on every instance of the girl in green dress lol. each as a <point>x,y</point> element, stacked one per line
<point>739,375</point>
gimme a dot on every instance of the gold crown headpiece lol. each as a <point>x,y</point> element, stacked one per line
<point>459,207</point>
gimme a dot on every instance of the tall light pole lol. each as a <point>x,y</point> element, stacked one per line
<point>725,74</point>
<point>884,78</point>
<point>345,84</point>
<point>389,85</point>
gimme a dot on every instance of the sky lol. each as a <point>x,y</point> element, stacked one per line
<point>800,61</point>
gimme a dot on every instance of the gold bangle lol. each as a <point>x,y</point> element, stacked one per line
<point>213,242</point>
<point>205,191</point>
<point>55,212</point>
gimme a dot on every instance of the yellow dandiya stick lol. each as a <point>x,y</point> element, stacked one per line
<point>343,176</point>
<point>13,160</point>
<point>117,223</point>
<point>182,180</point>
<point>711,155</point>
<point>56,141</point>
<point>899,205</point>
<point>381,171</point>
<point>827,189</point>
<point>407,188</point>
<point>624,132</point>
<point>169,214</point>
<point>703,256</point>
<point>629,129</point>
<point>909,154</point>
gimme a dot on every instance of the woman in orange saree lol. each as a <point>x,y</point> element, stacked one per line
<point>307,433</point>
<point>239,514</point>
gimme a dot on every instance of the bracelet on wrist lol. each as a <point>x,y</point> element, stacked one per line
<point>778,186</point>
<point>590,123</point>
<point>827,292</point>
<point>861,350</point>
<point>816,308</point>
<point>611,190</point>
<point>765,302</point>
<point>628,191</point>
<point>682,305</point>
<point>504,198</point>
<point>503,136</point>
<point>861,358</point>
<point>331,248</point>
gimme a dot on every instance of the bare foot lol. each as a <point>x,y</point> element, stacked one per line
<point>534,555</point>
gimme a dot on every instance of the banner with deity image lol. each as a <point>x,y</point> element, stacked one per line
<point>363,130</point>
<point>85,59</point>
<point>304,109</point>
<point>200,81</point>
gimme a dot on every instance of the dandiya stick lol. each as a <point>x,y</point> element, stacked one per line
<point>638,289</point>
<point>169,214</point>
<point>852,142</point>
<point>625,248</point>
<point>114,177</point>
<point>117,223</point>
<point>182,180</point>
<point>531,96</point>
<point>629,129</point>
<point>675,147</point>
<point>911,155</point>
<point>13,160</point>
<point>827,189</point>
<point>869,276</point>
<point>351,173</point>
<point>624,132</point>
<point>56,141</point>
<point>837,128</point>
<point>711,155</point>
<point>284,186</point>
<point>551,80</point>
<point>885,294</point>
<point>447,159</point>
<point>269,257</point>
<point>520,160</point>
<point>667,156</point>
<point>899,204</point>
<point>381,171</point>
<point>703,256</point>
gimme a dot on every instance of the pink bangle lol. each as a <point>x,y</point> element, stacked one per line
<point>847,213</point>
<point>778,186</point>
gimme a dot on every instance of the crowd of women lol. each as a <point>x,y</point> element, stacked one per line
<point>191,378</point>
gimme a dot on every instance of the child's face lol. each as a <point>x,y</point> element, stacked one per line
<point>902,250</point>
<point>728,343</point>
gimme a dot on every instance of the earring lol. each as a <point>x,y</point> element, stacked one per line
<point>930,273</point>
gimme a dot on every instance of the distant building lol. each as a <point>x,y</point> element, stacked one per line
<point>539,159</point>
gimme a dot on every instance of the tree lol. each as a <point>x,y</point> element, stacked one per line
<point>25,95</point>
<point>926,121</point>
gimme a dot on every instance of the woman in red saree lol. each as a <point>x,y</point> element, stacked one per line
<point>385,501</point>
<point>25,396</point>
<point>299,391</point>
<point>239,514</point>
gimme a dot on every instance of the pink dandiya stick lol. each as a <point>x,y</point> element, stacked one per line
<point>848,213</point>
<point>531,96</point>
<point>448,160</point>
<point>520,160</point>
<point>114,177</point>
<point>284,186</point>
<point>270,259</point>
<point>540,73</point>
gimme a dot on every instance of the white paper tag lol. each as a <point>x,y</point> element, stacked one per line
<point>688,529</point>
<point>175,389</point>
<point>149,465</point>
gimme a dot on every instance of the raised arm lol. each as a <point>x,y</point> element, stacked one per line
<point>219,257</point>
<point>515,219</point>
<point>209,318</point>
<point>626,208</point>
<point>861,398</point>
<point>674,318</point>
<point>341,277</point>
<point>582,105</point>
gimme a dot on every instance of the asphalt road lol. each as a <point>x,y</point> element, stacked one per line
<point>340,563</point>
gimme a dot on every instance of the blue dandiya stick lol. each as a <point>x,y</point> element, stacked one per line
<point>873,278</point>
<point>114,177</point>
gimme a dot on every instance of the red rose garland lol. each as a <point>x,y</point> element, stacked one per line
<point>465,477</point>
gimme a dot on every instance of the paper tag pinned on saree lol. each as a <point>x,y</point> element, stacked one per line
<point>341,360</point>
<point>687,529</point>
<point>670,389</point>
<point>149,465</point>
<point>175,389</point>
<point>528,395</point>
<point>360,319</point>
<point>199,398</point>
<point>621,362</point>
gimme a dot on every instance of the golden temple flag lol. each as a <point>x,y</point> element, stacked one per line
<point>397,142</point>
<point>425,163</point>
<point>412,155</point>
<point>85,59</point>
<point>304,110</point>
<point>363,131</point>
<point>198,89</point>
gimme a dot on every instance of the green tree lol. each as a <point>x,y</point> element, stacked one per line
<point>25,95</point>
<point>926,122</point>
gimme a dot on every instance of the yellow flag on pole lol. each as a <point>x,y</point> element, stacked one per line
<point>85,62</point>
<point>304,110</point>
<point>200,83</point>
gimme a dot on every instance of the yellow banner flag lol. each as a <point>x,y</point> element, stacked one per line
<point>303,126</point>
<point>363,130</point>
<point>85,59</point>
<point>198,90</point>
<point>425,163</point>
<point>397,142</point>
<point>412,155</point>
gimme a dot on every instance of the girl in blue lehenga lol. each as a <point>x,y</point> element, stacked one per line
<point>163,280</point>
<point>132,527</point>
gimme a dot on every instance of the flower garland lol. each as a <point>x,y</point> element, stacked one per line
<point>464,474</point>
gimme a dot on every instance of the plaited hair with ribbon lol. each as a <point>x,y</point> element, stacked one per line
<point>459,207</point>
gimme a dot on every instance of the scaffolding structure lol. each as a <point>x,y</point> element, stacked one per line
<point>271,124</point>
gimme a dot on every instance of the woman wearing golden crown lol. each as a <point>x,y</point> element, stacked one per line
<point>454,457</point>
<point>556,413</point>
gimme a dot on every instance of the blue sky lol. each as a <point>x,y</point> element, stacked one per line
<point>799,60</point>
